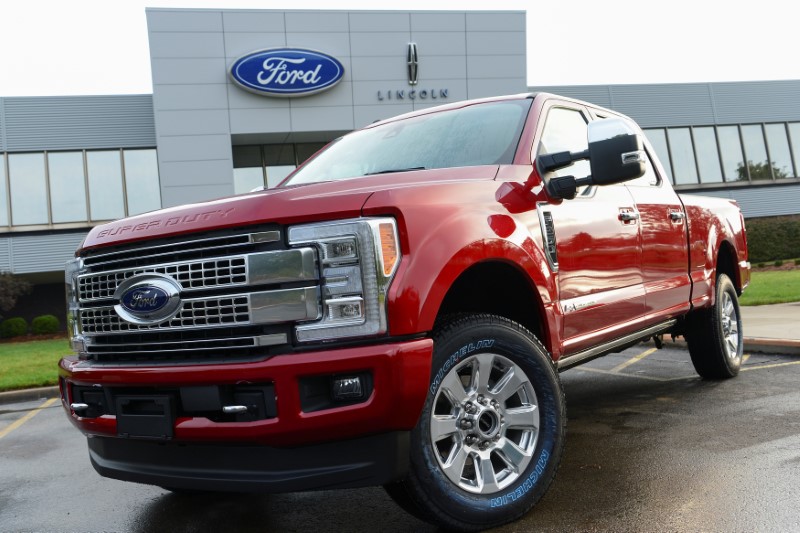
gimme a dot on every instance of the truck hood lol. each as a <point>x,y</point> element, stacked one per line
<point>287,205</point>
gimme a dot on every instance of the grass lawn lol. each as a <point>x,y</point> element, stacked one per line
<point>31,364</point>
<point>772,287</point>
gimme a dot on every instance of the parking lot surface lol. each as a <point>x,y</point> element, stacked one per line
<point>650,447</point>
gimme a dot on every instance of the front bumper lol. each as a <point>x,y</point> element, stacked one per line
<point>366,461</point>
<point>399,372</point>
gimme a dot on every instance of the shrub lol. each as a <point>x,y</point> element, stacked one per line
<point>773,238</point>
<point>778,263</point>
<point>797,262</point>
<point>45,325</point>
<point>11,288</point>
<point>13,327</point>
<point>760,265</point>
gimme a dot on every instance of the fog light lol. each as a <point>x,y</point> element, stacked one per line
<point>348,388</point>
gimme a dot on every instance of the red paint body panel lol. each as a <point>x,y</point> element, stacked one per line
<point>400,372</point>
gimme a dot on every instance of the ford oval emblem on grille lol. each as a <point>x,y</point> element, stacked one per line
<point>147,299</point>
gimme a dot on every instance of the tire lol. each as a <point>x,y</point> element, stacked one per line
<point>714,335</point>
<point>491,433</point>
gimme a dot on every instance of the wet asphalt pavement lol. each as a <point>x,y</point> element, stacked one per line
<point>650,447</point>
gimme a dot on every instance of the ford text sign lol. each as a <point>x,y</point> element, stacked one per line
<point>286,72</point>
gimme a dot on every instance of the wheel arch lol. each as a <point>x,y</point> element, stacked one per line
<point>512,295</point>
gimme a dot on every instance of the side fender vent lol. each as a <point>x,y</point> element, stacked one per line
<point>549,237</point>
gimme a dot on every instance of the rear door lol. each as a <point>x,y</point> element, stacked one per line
<point>665,253</point>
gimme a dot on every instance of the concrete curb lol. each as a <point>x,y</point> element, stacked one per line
<point>779,346</point>
<point>28,395</point>
<point>751,344</point>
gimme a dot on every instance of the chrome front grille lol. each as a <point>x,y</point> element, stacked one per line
<point>193,314</point>
<point>218,272</point>
<point>240,297</point>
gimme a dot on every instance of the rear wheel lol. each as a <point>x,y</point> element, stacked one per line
<point>491,433</point>
<point>714,335</point>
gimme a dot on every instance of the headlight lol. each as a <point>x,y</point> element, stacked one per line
<point>358,259</point>
<point>71,271</point>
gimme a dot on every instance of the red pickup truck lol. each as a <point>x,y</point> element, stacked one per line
<point>397,311</point>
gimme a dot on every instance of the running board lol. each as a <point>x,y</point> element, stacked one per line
<point>587,355</point>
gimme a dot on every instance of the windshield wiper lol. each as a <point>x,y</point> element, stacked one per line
<point>392,170</point>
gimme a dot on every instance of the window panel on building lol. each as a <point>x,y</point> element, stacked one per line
<point>779,150</point>
<point>683,164</point>
<point>705,144</point>
<point>280,161</point>
<point>142,185</point>
<point>248,169</point>
<point>28,189</point>
<point>105,184</point>
<point>756,152</point>
<point>794,141</point>
<point>67,187</point>
<point>658,138</point>
<point>3,192</point>
<point>730,149</point>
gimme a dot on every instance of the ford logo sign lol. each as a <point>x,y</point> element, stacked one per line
<point>147,299</point>
<point>286,72</point>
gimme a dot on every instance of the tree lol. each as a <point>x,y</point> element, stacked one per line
<point>759,171</point>
<point>11,288</point>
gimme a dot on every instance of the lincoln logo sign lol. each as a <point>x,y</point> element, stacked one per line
<point>286,72</point>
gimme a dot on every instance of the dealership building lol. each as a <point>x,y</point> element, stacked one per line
<point>208,130</point>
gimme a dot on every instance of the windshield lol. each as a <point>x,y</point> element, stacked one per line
<point>479,134</point>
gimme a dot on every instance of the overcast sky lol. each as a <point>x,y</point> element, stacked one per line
<point>66,47</point>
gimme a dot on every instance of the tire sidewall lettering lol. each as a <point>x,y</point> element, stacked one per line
<point>526,485</point>
<point>455,358</point>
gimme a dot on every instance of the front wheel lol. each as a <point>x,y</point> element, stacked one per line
<point>714,335</point>
<point>491,433</point>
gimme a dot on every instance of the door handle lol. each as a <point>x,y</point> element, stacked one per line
<point>677,215</point>
<point>628,216</point>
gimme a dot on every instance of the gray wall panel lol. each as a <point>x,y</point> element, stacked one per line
<point>176,44</point>
<point>317,21</point>
<point>269,120</point>
<point>176,97</point>
<point>665,105</point>
<point>251,21</point>
<point>200,173</point>
<point>75,122</point>
<point>192,71</point>
<point>26,254</point>
<point>378,21</point>
<point>502,66</point>
<point>759,101</point>
<point>490,43</point>
<point>440,44</point>
<point>192,21</point>
<point>335,44</point>
<point>194,193</point>
<point>763,201</point>
<point>438,22</point>
<point>187,148</point>
<point>5,255</point>
<point>494,21</point>
<point>239,44</point>
<point>379,44</point>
